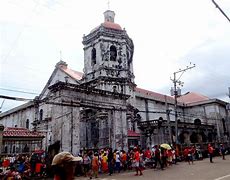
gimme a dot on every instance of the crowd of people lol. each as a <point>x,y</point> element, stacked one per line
<point>23,166</point>
<point>91,163</point>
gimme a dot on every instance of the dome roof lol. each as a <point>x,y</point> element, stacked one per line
<point>111,25</point>
<point>109,21</point>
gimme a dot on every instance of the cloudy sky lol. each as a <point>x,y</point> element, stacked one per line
<point>167,35</point>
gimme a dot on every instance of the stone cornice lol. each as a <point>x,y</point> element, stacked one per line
<point>84,89</point>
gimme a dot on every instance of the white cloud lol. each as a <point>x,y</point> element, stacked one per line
<point>167,36</point>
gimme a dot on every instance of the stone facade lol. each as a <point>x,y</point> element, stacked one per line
<point>104,108</point>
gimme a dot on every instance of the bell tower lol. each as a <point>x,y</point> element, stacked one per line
<point>108,57</point>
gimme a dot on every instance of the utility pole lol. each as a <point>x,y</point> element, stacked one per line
<point>71,128</point>
<point>228,118</point>
<point>1,138</point>
<point>177,92</point>
<point>168,120</point>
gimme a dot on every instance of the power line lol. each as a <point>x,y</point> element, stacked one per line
<point>15,98</point>
<point>13,90</point>
<point>217,6</point>
<point>2,104</point>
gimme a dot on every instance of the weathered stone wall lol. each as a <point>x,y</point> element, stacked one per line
<point>18,118</point>
<point>68,127</point>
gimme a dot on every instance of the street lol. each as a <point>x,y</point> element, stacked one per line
<point>200,170</point>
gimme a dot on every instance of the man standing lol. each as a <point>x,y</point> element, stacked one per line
<point>222,151</point>
<point>110,161</point>
<point>157,157</point>
<point>136,159</point>
<point>210,151</point>
<point>63,165</point>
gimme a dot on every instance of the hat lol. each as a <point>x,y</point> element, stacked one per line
<point>63,157</point>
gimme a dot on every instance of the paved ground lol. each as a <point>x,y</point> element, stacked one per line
<point>200,170</point>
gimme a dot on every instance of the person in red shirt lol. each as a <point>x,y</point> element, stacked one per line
<point>186,154</point>
<point>148,153</point>
<point>136,159</point>
<point>95,165</point>
<point>210,151</point>
<point>170,157</point>
<point>124,160</point>
<point>6,163</point>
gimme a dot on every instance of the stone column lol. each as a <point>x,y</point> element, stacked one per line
<point>76,131</point>
<point>120,130</point>
<point>124,131</point>
<point>110,126</point>
<point>1,137</point>
<point>116,140</point>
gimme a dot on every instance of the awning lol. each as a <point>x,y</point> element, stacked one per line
<point>133,134</point>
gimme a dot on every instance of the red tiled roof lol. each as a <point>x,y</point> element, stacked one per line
<point>187,98</point>
<point>191,97</point>
<point>111,25</point>
<point>74,74</point>
<point>157,96</point>
<point>20,132</point>
<point>133,134</point>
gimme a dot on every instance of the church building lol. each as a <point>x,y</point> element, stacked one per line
<point>103,107</point>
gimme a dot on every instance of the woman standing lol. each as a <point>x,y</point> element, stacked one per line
<point>104,163</point>
<point>95,165</point>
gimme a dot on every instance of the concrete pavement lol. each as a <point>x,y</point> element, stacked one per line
<point>200,170</point>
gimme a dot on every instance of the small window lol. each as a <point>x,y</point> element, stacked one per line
<point>113,53</point>
<point>115,89</point>
<point>27,123</point>
<point>93,56</point>
<point>41,114</point>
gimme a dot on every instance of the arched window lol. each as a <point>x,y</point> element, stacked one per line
<point>160,121</point>
<point>93,56</point>
<point>224,125</point>
<point>197,122</point>
<point>41,114</point>
<point>13,149</point>
<point>114,88</point>
<point>133,126</point>
<point>113,53</point>
<point>6,149</point>
<point>27,123</point>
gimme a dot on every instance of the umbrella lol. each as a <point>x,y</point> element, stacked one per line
<point>166,146</point>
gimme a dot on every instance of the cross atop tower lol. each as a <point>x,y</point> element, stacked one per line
<point>60,55</point>
<point>108,3</point>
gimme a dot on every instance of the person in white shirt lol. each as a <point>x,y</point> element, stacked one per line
<point>118,162</point>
